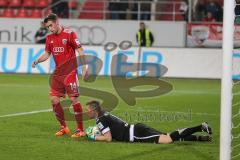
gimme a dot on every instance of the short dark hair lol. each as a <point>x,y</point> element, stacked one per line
<point>50,17</point>
<point>95,105</point>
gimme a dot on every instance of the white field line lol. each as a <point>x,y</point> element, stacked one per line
<point>25,113</point>
<point>23,86</point>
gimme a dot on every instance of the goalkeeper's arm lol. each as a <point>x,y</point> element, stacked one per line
<point>105,137</point>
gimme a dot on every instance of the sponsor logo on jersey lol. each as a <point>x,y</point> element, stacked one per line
<point>58,49</point>
<point>64,41</point>
<point>100,126</point>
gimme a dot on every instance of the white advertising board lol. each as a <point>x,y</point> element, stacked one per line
<point>182,63</point>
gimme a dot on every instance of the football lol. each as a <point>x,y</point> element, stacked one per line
<point>96,131</point>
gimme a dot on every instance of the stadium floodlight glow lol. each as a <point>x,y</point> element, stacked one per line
<point>226,85</point>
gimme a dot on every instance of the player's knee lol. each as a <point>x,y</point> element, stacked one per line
<point>74,100</point>
<point>165,139</point>
<point>54,100</point>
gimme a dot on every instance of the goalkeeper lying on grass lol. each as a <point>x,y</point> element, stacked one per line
<point>113,128</point>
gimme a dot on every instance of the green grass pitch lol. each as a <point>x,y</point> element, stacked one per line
<point>31,136</point>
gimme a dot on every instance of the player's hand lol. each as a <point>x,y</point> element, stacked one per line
<point>34,64</point>
<point>84,74</point>
<point>91,137</point>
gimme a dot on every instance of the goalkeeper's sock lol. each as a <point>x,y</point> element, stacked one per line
<point>78,115</point>
<point>201,138</point>
<point>58,110</point>
<point>189,138</point>
<point>175,136</point>
<point>189,131</point>
<point>182,133</point>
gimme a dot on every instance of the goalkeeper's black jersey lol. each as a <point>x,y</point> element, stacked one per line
<point>119,129</point>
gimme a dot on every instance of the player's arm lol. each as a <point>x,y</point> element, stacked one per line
<point>82,61</point>
<point>74,42</point>
<point>42,58</point>
<point>45,56</point>
<point>105,137</point>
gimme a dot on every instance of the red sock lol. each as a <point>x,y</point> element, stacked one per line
<point>78,115</point>
<point>58,110</point>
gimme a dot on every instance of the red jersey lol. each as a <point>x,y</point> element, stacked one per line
<point>62,46</point>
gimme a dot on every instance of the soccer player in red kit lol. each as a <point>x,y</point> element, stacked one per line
<point>62,44</point>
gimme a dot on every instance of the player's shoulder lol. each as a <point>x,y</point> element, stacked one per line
<point>49,38</point>
<point>104,116</point>
<point>50,35</point>
<point>67,30</point>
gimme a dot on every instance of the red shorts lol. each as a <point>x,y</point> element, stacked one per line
<point>60,85</point>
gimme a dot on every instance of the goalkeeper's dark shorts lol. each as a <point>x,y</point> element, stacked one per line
<point>142,133</point>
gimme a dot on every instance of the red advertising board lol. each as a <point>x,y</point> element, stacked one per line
<point>209,35</point>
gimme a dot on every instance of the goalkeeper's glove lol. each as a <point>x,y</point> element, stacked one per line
<point>89,134</point>
<point>88,131</point>
<point>91,137</point>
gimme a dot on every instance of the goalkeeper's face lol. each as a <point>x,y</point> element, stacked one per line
<point>91,113</point>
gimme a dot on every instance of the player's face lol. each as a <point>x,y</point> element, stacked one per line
<point>90,113</point>
<point>142,26</point>
<point>52,26</point>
